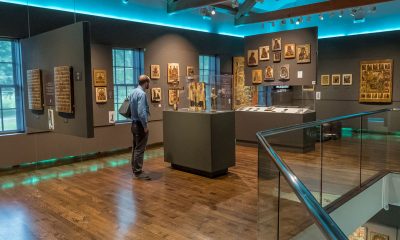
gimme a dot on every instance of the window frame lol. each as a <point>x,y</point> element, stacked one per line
<point>213,73</point>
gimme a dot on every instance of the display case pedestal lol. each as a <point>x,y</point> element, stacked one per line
<point>202,143</point>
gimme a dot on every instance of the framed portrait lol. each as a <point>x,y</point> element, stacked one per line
<point>347,79</point>
<point>377,236</point>
<point>376,81</point>
<point>101,94</point>
<point>269,73</point>
<point>277,56</point>
<point>290,51</point>
<point>156,95</point>
<point>99,78</point>
<point>325,80</point>
<point>336,79</point>
<point>155,71</point>
<point>264,53</point>
<point>252,58</point>
<point>256,76</point>
<point>173,73</point>
<point>190,72</point>
<point>173,96</point>
<point>284,72</point>
<point>276,44</point>
<point>359,234</point>
<point>303,53</point>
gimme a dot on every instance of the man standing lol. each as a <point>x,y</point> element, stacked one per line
<point>140,131</point>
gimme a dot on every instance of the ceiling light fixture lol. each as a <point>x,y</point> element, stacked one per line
<point>125,1</point>
<point>291,21</point>
<point>213,12</point>
<point>321,17</point>
<point>283,22</point>
<point>341,14</point>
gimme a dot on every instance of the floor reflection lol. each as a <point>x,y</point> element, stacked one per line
<point>15,222</point>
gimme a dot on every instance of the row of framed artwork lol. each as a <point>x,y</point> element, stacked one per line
<point>173,96</point>
<point>337,79</point>
<point>302,53</point>
<point>172,74</point>
<point>257,74</point>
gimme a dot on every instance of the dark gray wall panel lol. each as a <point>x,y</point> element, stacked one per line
<point>299,37</point>
<point>66,46</point>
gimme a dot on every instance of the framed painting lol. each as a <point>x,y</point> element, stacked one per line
<point>99,78</point>
<point>173,73</point>
<point>290,51</point>
<point>156,95</point>
<point>190,72</point>
<point>173,96</point>
<point>303,53</point>
<point>308,88</point>
<point>256,76</point>
<point>335,79</point>
<point>252,58</point>
<point>101,94</point>
<point>155,72</point>
<point>269,73</point>
<point>377,236</point>
<point>264,53</point>
<point>276,44</point>
<point>347,79</point>
<point>325,80</point>
<point>284,72</point>
<point>277,57</point>
<point>376,81</point>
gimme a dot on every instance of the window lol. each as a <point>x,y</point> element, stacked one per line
<point>128,65</point>
<point>209,67</point>
<point>11,117</point>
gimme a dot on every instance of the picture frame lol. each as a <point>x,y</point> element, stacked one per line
<point>101,94</point>
<point>284,72</point>
<point>377,236</point>
<point>252,58</point>
<point>347,79</point>
<point>173,73</point>
<point>155,72</point>
<point>264,53</point>
<point>276,44</point>
<point>290,51</point>
<point>269,74</point>
<point>277,57</point>
<point>303,53</point>
<point>156,95</point>
<point>372,72</point>
<point>325,80</point>
<point>99,78</point>
<point>336,79</point>
<point>359,234</point>
<point>173,96</point>
<point>256,76</point>
<point>190,72</point>
<point>308,88</point>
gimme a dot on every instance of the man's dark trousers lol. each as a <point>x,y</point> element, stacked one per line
<point>139,146</point>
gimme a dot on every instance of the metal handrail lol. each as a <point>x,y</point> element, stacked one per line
<point>326,224</point>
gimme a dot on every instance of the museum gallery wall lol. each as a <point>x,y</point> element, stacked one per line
<point>282,58</point>
<point>161,45</point>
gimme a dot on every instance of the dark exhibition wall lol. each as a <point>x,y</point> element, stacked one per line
<point>161,46</point>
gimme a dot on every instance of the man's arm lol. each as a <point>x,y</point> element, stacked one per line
<point>142,111</point>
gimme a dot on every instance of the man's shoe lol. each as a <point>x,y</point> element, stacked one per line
<point>142,176</point>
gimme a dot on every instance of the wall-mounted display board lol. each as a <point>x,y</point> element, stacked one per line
<point>56,53</point>
<point>376,81</point>
<point>63,89</point>
<point>295,50</point>
<point>34,83</point>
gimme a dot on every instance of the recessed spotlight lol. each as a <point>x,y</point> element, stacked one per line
<point>213,12</point>
<point>321,17</point>
<point>125,1</point>
<point>341,14</point>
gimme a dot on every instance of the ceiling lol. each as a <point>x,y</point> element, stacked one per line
<point>250,18</point>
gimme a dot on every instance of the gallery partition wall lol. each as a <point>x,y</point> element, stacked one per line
<point>128,65</point>
<point>10,87</point>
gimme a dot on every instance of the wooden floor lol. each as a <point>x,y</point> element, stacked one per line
<point>98,199</point>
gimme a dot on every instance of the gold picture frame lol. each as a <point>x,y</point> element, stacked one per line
<point>276,44</point>
<point>290,51</point>
<point>284,72</point>
<point>173,96</point>
<point>190,72</point>
<point>101,94</point>
<point>336,79</point>
<point>377,236</point>
<point>277,57</point>
<point>252,58</point>
<point>269,73</point>
<point>99,78</point>
<point>256,76</point>
<point>173,73</point>
<point>303,53</point>
<point>156,95</point>
<point>264,53</point>
<point>325,80</point>
<point>376,81</point>
<point>347,79</point>
<point>155,72</point>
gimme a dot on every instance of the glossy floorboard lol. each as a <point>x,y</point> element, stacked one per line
<point>98,199</point>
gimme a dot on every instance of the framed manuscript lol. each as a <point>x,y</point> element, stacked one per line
<point>99,78</point>
<point>376,81</point>
<point>63,89</point>
<point>34,83</point>
<point>101,94</point>
<point>173,73</point>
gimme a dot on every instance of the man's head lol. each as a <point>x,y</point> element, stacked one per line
<point>144,81</point>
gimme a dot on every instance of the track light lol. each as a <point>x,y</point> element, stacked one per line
<point>125,1</point>
<point>213,11</point>
<point>341,14</point>
<point>321,17</point>
<point>283,21</point>
<point>291,21</point>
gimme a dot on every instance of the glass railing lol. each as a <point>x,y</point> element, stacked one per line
<point>306,170</point>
